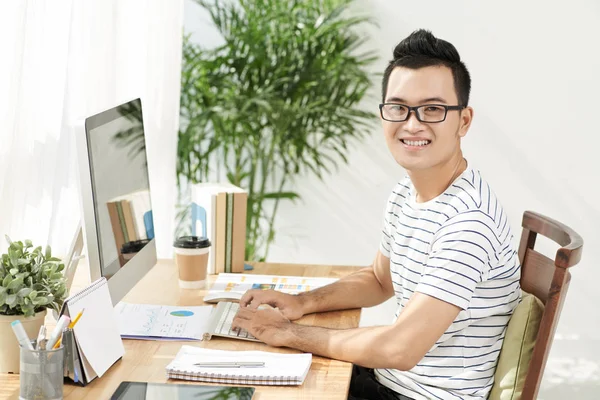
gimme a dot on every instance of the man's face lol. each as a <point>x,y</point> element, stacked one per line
<point>419,145</point>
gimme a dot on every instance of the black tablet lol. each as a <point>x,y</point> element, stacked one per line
<point>155,391</point>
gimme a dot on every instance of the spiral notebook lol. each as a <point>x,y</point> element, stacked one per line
<point>279,369</point>
<point>96,335</point>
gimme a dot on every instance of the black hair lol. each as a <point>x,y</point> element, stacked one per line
<point>421,49</point>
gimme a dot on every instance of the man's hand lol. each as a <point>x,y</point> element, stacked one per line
<point>266,324</point>
<point>401,346</point>
<point>290,306</point>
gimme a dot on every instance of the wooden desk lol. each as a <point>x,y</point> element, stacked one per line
<point>146,360</point>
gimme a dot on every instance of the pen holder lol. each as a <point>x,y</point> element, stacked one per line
<point>42,373</point>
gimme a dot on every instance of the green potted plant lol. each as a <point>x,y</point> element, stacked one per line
<point>280,98</point>
<point>31,281</point>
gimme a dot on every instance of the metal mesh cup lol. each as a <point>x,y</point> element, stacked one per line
<point>42,373</point>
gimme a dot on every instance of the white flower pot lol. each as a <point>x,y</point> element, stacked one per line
<point>9,346</point>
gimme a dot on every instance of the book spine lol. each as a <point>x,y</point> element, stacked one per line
<point>116,229</point>
<point>229,232</point>
<point>128,217</point>
<point>238,250</point>
<point>122,222</point>
<point>147,214</point>
<point>220,232</point>
<point>136,204</point>
<point>213,233</point>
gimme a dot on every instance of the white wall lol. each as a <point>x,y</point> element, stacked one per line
<point>122,50</point>
<point>534,137</point>
<point>63,61</point>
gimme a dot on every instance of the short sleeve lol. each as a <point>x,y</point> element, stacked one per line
<point>460,259</point>
<point>385,246</point>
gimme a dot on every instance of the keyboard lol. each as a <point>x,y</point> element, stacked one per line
<point>221,319</point>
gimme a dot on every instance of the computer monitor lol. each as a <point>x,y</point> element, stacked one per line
<point>115,195</point>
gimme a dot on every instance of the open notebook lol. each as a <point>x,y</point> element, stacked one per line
<point>97,344</point>
<point>279,369</point>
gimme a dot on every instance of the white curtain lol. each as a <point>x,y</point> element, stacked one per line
<point>67,59</point>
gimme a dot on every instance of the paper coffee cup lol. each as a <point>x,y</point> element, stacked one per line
<point>191,256</point>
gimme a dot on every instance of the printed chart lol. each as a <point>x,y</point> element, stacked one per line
<point>240,283</point>
<point>156,322</point>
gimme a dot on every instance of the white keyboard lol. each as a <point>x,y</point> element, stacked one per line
<point>221,320</point>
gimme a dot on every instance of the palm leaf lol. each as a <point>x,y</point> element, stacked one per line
<point>280,98</point>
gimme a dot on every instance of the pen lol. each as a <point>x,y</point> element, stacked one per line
<point>41,337</point>
<point>71,326</point>
<point>240,364</point>
<point>62,323</point>
<point>21,335</point>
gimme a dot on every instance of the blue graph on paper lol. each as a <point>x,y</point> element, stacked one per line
<point>152,315</point>
<point>144,321</point>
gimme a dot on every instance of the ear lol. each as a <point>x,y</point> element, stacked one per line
<point>466,117</point>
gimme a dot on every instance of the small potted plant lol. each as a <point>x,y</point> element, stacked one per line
<point>31,281</point>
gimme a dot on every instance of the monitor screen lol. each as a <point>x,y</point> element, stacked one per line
<point>120,186</point>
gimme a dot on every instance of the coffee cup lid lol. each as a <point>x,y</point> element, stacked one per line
<point>191,242</point>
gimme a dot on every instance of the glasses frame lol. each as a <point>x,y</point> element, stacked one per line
<point>415,108</point>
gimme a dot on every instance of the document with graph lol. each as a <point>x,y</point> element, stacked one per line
<point>228,285</point>
<point>157,322</point>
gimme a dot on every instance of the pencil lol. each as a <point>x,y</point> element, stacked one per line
<point>71,325</point>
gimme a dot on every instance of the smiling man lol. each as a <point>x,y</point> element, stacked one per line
<point>446,254</point>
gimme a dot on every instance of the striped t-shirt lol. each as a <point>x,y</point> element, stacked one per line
<point>458,248</point>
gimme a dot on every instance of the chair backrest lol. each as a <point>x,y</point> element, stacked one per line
<point>548,280</point>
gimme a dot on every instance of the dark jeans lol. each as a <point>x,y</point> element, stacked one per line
<point>364,386</point>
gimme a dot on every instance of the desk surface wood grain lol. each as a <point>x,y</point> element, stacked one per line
<point>145,361</point>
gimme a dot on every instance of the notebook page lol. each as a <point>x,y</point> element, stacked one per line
<point>158,322</point>
<point>88,371</point>
<point>277,366</point>
<point>97,332</point>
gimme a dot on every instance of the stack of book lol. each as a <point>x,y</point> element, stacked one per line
<point>219,213</point>
<point>131,219</point>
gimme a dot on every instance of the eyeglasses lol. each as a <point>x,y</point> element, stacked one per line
<point>431,113</point>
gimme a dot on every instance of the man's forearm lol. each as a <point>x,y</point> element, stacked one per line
<point>361,289</point>
<point>372,347</point>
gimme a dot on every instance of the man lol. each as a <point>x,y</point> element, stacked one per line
<point>446,254</point>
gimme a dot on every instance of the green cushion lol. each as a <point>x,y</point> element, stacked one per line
<point>517,349</point>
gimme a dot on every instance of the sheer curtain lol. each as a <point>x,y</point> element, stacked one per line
<point>61,61</point>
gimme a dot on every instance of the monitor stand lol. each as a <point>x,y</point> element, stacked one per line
<point>71,260</point>
<point>73,256</point>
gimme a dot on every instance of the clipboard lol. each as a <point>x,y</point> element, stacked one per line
<point>94,344</point>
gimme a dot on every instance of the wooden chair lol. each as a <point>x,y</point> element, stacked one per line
<point>549,281</point>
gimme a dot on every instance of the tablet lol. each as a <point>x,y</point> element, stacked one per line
<point>156,391</point>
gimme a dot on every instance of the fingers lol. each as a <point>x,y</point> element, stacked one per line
<point>245,313</point>
<point>254,298</point>
<point>239,323</point>
<point>242,319</point>
<point>246,299</point>
<point>251,299</point>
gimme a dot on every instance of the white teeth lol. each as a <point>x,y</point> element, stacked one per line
<point>416,142</point>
